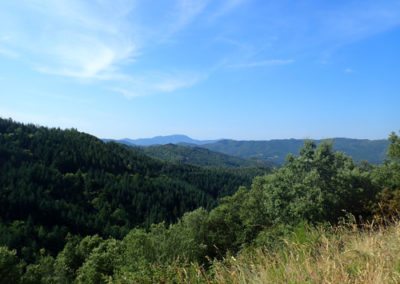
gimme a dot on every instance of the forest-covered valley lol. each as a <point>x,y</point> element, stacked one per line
<point>228,152</point>
<point>74,209</point>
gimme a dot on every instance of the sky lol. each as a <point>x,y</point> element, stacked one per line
<point>210,69</point>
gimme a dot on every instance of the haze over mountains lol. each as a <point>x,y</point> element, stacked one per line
<point>163,140</point>
<point>271,151</point>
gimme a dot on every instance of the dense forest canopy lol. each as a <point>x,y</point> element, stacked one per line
<point>199,156</point>
<point>373,151</point>
<point>272,152</point>
<point>54,182</point>
<point>74,209</point>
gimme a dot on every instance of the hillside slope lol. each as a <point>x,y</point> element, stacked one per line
<point>374,151</point>
<point>198,156</point>
<point>56,181</point>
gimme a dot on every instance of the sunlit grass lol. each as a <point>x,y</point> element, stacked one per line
<point>341,254</point>
<point>338,255</point>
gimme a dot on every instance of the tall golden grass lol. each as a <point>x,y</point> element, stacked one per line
<point>340,254</point>
<point>344,254</point>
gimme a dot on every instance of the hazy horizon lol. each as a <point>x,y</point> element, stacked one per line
<point>218,139</point>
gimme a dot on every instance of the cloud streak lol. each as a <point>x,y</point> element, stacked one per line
<point>71,38</point>
<point>271,62</point>
<point>100,41</point>
<point>158,83</point>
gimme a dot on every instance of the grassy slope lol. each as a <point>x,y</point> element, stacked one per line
<point>335,255</point>
<point>347,256</point>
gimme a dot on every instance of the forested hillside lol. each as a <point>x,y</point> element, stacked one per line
<point>269,151</point>
<point>77,210</point>
<point>373,151</point>
<point>199,156</point>
<point>54,182</point>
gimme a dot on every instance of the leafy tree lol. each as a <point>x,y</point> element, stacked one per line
<point>394,147</point>
<point>40,272</point>
<point>10,266</point>
<point>319,185</point>
<point>388,178</point>
<point>73,256</point>
<point>225,226</point>
<point>101,263</point>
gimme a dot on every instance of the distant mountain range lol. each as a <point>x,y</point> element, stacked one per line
<point>199,156</point>
<point>272,151</point>
<point>374,151</point>
<point>162,140</point>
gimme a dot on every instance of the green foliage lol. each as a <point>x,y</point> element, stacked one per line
<point>198,156</point>
<point>10,266</point>
<point>73,256</point>
<point>186,239</point>
<point>54,182</point>
<point>40,272</point>
<point>101,262</point>
<point>388,178</point>
<point>226,228</point>
<point>275,151</point>
<point>319,185</point>
<point>394,147</point>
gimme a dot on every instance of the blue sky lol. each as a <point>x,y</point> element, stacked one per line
<point>240,69</point>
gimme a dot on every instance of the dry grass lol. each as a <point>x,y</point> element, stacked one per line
<point>345,255</point>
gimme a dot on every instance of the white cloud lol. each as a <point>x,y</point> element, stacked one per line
<point>96,40</point>
<point>71,38</point>
<point>173,84</point>
<point>158,83</point>
<point>92,58</point>
<point>348,70</point>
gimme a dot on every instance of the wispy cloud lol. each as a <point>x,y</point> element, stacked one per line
<point>158,83</point>
<point>72,38</point>
<point>317,28</point>
<point>8,53</point>
<point>348,70</point>
<point>104,40</point>
<point>185,11</point>
<point>331,27</point>
<point>271,62</point>
<point>97,41</point>
<point>360,19</point>
<point>225,8</point>
<point>92,58</point>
